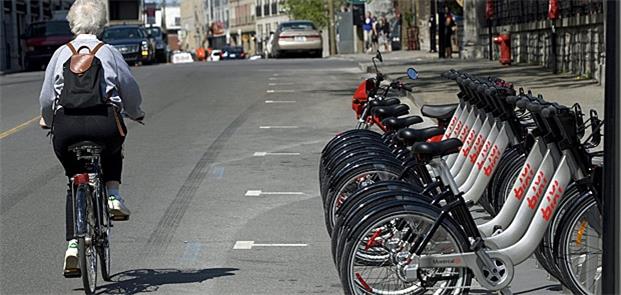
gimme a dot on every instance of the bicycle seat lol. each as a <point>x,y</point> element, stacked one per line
<point>88,146</point>
<point>391,111</point>
<point>411,136</point>
<point>437,149</point>
<point>384,102</point>
<point>442,111</point>
<point>394,123</point>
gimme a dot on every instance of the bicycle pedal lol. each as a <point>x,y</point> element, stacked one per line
<point>73,273</point>
<point>120,218</point>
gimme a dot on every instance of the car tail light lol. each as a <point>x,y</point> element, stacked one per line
<point>286,37</point>
<point>313,36</point>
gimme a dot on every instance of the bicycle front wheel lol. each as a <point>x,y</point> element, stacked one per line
<point>580,248</point>
<point>380,234</point>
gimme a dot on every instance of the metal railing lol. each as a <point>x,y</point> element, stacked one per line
<point>521,11</point>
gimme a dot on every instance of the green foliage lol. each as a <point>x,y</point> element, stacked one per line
<point>313,10</point>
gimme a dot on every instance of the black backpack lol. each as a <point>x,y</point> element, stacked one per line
<point>83,75</point>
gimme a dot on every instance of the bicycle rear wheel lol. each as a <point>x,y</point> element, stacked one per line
<point>104,232</point>
<point>87,251</point>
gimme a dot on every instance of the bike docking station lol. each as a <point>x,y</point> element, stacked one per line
<point>397,198</point>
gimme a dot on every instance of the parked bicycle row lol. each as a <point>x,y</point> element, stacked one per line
<point>397,198</point>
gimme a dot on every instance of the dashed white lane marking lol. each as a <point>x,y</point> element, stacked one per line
<point>275,74</point>
<point>278,127</point>
<point>281,91</point>
<point>280,101</point>
<point>263,154</point>
<point>257,193</point>
<point>247,245</point>
<point>280,84</point>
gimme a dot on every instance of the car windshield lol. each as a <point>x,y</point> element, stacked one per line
<point>297,26</point>
<point>122,33</point>
<point>50,29</point>
<point>155,32</point>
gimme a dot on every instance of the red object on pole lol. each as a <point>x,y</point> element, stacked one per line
<point>553,10</point>
<point>504,41</point>
<point>489,9</point>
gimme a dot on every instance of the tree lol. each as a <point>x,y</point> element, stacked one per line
<point>312,10</point>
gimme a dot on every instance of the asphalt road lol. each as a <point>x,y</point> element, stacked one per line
<point>186,176</point>
<point>227,161</point>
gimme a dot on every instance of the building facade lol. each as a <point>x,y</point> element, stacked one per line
<point>242,24</point>
<point>194,24</point>
<point>576,45</point>
<point>268,14</point>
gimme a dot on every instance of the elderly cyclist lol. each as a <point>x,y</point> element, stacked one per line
<point>101,123</point>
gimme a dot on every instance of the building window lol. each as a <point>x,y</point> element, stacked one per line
<point>259,8</point>
<point>177,21</point>
<point>266,8</point>
<point>274,8</point>
<point>268,29</point>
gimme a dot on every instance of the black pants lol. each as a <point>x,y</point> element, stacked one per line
<point>98,125</point>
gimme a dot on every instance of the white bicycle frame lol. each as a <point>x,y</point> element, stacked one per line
<point>503,260</point>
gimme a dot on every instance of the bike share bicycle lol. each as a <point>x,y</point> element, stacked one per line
<point>424,209</point>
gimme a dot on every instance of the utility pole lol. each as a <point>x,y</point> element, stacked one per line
<point>163,20</point>
<point>331,25</point>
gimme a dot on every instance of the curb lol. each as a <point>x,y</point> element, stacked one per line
<point>3,73</point>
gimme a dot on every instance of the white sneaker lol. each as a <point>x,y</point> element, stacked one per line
<point>118,210</point>
<point>71,267</point>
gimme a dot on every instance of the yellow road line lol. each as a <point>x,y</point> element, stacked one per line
<point>18,127</point>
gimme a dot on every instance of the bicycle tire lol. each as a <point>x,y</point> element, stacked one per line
<point>545,251</point>
<point>589,217</point>
<point>500,185</point>
<point>374,221</point>
<point>385,172</point>
<point>104,247</point>
<point>87,255</point>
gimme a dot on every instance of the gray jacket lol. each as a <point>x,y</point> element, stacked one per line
<point>118,79</point>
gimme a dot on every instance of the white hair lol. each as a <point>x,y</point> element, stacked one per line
<point>87,17</point>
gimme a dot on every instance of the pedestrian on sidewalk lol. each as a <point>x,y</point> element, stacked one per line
<point>385,34</point>
<point>76,111</point>
<point>449,30</point>
<point>375,36</point>
<point>367,28</point>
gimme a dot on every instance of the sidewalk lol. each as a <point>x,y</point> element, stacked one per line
<point>430,88</point>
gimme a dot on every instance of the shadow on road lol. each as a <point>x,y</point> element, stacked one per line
<point>150,280</point>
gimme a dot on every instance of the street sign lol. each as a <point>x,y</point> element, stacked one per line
<point>358,1</point>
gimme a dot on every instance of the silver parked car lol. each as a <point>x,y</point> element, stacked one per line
<point>298,36</point>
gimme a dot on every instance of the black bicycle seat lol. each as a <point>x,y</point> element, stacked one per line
<point>384,102</point>
<point>394,123</point>
<point>411,136</point>
<point>90,146</point>
<point>435,149</point>
<point>443,111</point>
<point>391,111</point>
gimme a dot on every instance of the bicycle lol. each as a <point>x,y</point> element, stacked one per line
<point>425,244</point>
<point>91,216</point>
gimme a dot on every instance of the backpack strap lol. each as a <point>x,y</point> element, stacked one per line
<point>96,48</point>
<point>73,50</point>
